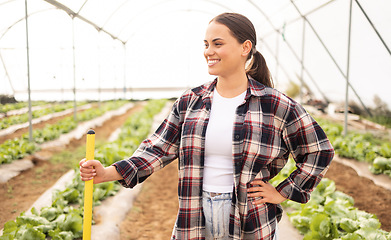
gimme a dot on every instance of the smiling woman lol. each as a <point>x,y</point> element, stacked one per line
<point>240,33</point>
<point>230,136</point>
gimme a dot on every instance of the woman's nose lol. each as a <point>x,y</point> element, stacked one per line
<point>208,51</point>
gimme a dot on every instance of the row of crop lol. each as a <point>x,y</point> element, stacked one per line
<point>362,147</point>
<point>22,118</point>
<point>18,148</point>
<point>330,214</point>
<point>4,108</point>
<point>63,220</point>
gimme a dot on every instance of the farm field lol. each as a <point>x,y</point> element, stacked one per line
<point>154,211</point>
<point>19,132</point>
<point>18,194</point>
<point>116,67</point>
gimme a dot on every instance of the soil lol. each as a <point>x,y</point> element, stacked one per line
<point>20,192</point>
<point>155,208</point>
<point>154,212</point>
<point>367,196</point>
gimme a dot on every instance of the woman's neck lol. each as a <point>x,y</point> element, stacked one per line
<point>232,86</point>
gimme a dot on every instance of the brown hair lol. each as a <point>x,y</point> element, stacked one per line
<point>242,29</point>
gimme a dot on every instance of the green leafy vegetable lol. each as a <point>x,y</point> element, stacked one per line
<point>63,220</point>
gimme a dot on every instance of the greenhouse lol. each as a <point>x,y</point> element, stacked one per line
<point>120,68</point>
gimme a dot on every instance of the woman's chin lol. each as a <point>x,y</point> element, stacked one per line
<point>212,72</point>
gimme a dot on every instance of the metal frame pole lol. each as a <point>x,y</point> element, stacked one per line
<point>28,74</point>
<point>99,69</point>
<point>332,58</point>
<point>124,90</point>
<point>277,61</point>
<point>74,70</point>
<point>283,69</point>
<point>115,72</point>
<point>291,49</point>
<point>347,71</point>
<point>302,63</point>
<point>373,26</point>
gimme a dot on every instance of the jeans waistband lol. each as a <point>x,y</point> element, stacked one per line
<point>217,195</point>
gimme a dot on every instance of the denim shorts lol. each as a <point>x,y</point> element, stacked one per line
<point>217,208</point>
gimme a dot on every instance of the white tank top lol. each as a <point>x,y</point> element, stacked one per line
<point>218,166</point>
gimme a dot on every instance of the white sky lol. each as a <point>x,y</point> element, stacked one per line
<point>165,44</point>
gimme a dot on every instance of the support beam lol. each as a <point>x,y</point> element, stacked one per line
<point>302,62</point>
<point>373,26</point>
<point>28,73</point>
<point>74,71</point>
<point>332,58</point>
<point>348,71</point>
<point>73,14</point>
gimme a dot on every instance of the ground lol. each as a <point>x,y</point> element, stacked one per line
<point>18,194</point>
<point>155,209</point>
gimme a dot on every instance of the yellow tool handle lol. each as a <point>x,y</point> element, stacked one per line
<point>88,188</point>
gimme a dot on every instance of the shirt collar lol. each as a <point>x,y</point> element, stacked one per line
<point>254,88</point>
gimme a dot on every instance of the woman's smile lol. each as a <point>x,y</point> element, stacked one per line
<point>212,62</point>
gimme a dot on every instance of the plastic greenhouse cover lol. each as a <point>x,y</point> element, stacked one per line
<point>156,44</point>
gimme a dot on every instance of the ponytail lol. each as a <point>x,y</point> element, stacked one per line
<point>259,71</point>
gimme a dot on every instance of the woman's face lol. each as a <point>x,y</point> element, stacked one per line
<point>223,53</point>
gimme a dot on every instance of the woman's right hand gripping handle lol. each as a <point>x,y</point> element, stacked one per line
<point>93,169</point>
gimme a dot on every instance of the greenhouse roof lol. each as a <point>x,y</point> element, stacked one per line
<point>129,46</point>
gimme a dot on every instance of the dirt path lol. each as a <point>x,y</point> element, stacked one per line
<point>367,196</point>
<point>154,211</point>
<point>21,192</point>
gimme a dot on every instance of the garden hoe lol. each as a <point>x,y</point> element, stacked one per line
<point>88,188</point>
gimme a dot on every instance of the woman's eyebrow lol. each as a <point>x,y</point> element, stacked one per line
<point>214,40</point>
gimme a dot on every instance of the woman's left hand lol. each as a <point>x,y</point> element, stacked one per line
<point>265,191</point>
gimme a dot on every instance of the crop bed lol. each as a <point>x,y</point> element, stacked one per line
<point>155,218</point>
<point>19,193</point>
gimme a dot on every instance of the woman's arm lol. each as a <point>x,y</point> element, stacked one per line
<point>153,154</point>
<point>311,150</point>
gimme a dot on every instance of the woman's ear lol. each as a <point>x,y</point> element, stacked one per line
<point>247,46</point>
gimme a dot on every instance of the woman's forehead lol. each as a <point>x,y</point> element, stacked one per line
<point>217,30</point>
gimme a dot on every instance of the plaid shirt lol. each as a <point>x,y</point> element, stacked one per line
<point>268,127</point>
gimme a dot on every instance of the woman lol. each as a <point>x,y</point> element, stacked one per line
<point>230,137</point>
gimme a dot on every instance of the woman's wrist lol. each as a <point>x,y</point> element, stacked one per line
<point>111,174</point>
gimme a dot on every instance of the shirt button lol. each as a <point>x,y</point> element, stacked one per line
<point>237,136</point>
